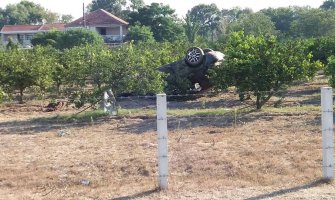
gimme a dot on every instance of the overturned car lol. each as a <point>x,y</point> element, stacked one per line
<point>192,70</point>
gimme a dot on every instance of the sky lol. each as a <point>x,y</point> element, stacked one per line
<point>75,7</point>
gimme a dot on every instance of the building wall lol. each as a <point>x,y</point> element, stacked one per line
<point>7,36</point>
<point>23,38</point>
<point>113,31</point>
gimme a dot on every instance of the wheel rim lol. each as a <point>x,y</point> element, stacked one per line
<point>194,55</point>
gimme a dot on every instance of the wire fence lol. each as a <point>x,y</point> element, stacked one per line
<point>213,139</point>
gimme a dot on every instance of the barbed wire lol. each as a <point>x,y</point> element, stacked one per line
<point>195,94</point>
<point>212,94</point>
<point>174,164</point>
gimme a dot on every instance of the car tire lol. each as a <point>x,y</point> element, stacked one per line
<point>194,56</point>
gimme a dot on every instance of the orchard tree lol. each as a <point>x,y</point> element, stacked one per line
<point>25,68</point>
<point>84,64</point>
<point>87,63</point>
<point>330,70</point>
<point>261,66</point>
<point>322,48</point>
<point>134,69</point>
<point>131,68</point>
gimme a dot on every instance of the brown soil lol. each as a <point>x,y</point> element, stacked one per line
<point>257,155</point>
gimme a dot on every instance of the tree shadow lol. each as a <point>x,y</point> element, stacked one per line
<point>138,195</point>
<point>289,190</point>
<point>302,93</point>
<point>186,122</point>
<point>40,125</point>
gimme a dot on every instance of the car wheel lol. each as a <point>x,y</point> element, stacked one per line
<point>194,56</point>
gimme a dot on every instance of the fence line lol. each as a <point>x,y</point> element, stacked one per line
<point>209,94</point>
<point>327,132</point>
<point>163,174</point>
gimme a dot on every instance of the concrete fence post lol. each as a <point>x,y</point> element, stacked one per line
<point>109,102</point>
<point>106,105</point>
<point>162,137</point>
<point>327,133</point>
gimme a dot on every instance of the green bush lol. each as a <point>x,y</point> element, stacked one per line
<point>261,66</point>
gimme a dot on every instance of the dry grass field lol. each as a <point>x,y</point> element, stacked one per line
<point>274,153</point>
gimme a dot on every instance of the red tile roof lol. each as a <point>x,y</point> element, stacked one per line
<point>23,28</point>
<point>98,17</point>
<point>14,28</point>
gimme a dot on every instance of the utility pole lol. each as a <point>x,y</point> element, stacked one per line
<point>84,20</point>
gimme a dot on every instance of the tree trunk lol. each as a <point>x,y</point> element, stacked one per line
<point>21,96</point>
<point>258,99</point>
<point>58,84</point>
<point>260,103</point>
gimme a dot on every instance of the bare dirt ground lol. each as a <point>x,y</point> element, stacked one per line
<point>254,155</point>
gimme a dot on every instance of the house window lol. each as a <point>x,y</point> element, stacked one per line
<point>20,37</point>
<point>29,36</point>
<point>102,31</point>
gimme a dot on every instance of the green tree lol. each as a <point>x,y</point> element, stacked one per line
<point>209,18</point>
<point>2,17</point>
<point>51,38</point>
<point>77,37</point>
<point>261,66</point>
<point>234,14</point>
<point>68,39</point>
<point>330,70</point>
<point>128,69</point>
<point>26,12</point>
<point>314,23</point>
<point>60,41</point>
<point>322,48</point>
<point>136,4</point>
<point>282,18</point>
<point>139,33</point>
<point>25,68</point>
<point>192,29</point>
<point>113,6</point>
<point>161,19</point>
<point>135,69</point>
<point>66,18</point>
<point>254,24</point>
<point>328,5</point>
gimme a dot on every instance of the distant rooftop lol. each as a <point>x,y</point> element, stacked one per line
<point>32,28</point>
<point>97,17</point>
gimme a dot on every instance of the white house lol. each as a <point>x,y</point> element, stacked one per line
<point>24,33</point>
<point>110,27</point>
